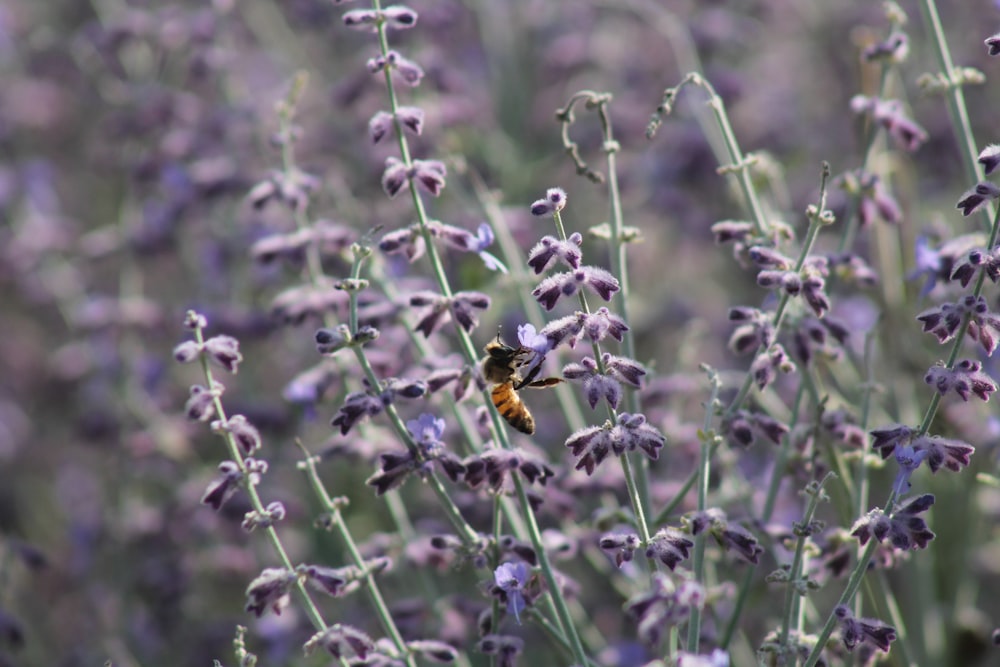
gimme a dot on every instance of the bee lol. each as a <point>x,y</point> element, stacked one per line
<point>501,368</point>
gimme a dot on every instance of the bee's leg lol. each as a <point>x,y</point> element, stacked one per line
<point>545,382</point>
<point>529,378</point>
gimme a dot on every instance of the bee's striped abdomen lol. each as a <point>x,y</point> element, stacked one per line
<point>512,408</point>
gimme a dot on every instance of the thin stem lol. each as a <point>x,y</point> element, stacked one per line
<point>818,218</point>
<point>960,334</point>
<point>804,530</point>
<point>236,454</point>
<point>708,439</point>
<point>337,521</point>
<point>857,575</point>
<point>956,104</point>
<point>738,163</point>
<point>469,351</point>
<point>636,478</point>
<point>777,475</point>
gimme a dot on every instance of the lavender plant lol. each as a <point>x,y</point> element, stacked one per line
<point>499,400</point>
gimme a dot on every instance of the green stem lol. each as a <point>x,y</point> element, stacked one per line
<point>236,454</point>
<point>793,585</point>
<point>708,441</point>
<point>960,334</point>
<point>469,351</point>
<point>634,495</point>
<point>333,508</point>
<point>857,575</point>
<point>772,495</point>
<point>738,163</point>
<point>956,104</point>
<point>817,219</point>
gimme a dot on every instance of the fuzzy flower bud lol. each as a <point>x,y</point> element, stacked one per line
<point>554,201</point>
<point>550,250</point>
<point>975,197</point>
<point>990,157</point>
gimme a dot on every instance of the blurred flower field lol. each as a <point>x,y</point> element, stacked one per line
<point>732,268</point>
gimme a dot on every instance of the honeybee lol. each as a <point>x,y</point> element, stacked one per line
<point>501,368</point>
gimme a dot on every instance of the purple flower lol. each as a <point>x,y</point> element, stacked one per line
<point>745,427</point>
<point>549,250</point>
<point>539,345</point>
<point>593,444</point>
<point>428,174</point>
<point>511,578</point>
<point>360,19</point>
<point>222,488</point>
<point>669,546</point>
<point>407,241</point>
<point>409,71</point>
<point>438,309</point>
<point>554,201</point>
<point>976,196</point>
<point>989,157</point>
<point>993,44</point>
<point>890,115</point>
<point>854,631</point>
<point>379,126</point>
<point>245,434</point>
<point>627,370</point>
<point>877,202</point>
<point>964,379</point>
<point>426,431</point>
<point>506,648</point>
<point>411,118</point>
<point>399,17</point>
<point>480,242</point>
<point>623,544</point>
<point>556,286</point>
<point>595,385</point>
<point>664,605</point>
<point>894,48</point>
<point>727,535</point>
<point>909,460</point>
<point>270,590</point>
<point>341,641</point>
<point>395,177</point>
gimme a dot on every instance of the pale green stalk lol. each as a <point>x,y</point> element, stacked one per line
<point>793,585</point>
<point>237,457</point>
<point>708,438</point>
<point>337,521</point>
<point>637,479</point>
<point>469,351</point>
<point>772,495</point>
<point>956,104</point>
<point>818,218</point>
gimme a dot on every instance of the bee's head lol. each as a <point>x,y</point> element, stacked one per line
<point>496,347</point>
